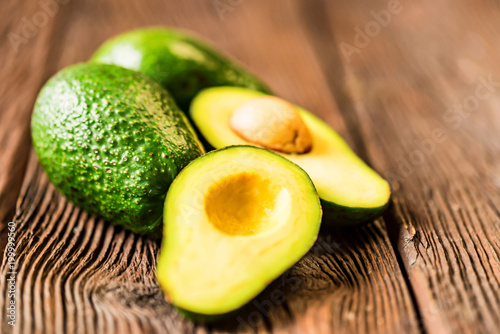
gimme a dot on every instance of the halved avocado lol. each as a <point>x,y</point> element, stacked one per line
<point>235,219</point>
<point>351,192</point>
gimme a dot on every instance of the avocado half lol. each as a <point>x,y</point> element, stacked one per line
<point>350,191</point>
<point>234,220</point>
<point>181,62</point>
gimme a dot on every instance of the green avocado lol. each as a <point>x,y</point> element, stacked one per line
<point>350,191</point>
<point>235,219</point>
<point>180,62</point>
<point>112,140</point>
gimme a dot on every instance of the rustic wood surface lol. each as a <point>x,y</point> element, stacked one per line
<point>431,264</point>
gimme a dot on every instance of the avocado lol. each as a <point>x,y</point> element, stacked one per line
<point>351,192</point>
<point>180,62</point>
<point>235,219</point>
<point>112,140</point>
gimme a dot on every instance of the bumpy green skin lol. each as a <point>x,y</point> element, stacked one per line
<point>182,64</point>
<point>112,140</point>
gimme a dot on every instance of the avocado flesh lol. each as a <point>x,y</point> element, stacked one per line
<point>235,219</point>
<point>112,140</point>
<point>180,62</point>
<point>351,192</point>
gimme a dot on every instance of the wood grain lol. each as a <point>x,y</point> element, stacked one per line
<point>399,88</point>
<point>21,63</point>
<point>80,274</point>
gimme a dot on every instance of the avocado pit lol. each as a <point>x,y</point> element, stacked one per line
<point>273,124</point>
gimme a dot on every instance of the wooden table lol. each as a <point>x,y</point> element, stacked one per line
<point>416,94</point>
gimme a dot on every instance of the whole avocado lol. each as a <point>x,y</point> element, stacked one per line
<point>112,140</point>
<point>181,63</point>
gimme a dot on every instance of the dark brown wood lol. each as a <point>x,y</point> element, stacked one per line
<point>80,274</point>
<point>21,64</point>
<point>397,92</point>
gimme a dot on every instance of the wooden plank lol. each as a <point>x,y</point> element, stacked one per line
<point>401,89</point>
<point>80,274</point>
<point>24,48</point>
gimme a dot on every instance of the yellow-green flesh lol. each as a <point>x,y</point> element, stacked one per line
<point>339,175</point>
<point>235,219</point>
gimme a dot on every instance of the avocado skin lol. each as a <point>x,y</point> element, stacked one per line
<point>112,140</point>
<point>205,318</point>
<point>339,215</point>
<point>181,63</point>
